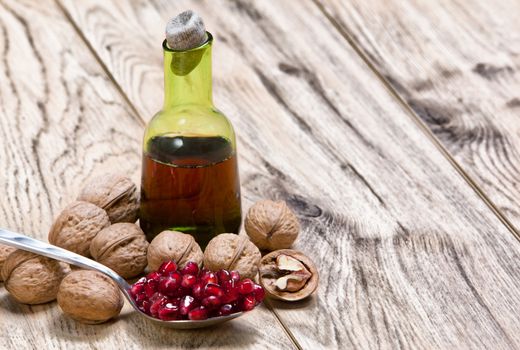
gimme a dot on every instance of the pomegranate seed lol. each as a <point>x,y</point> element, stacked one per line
<point>223,276</point>
<point>156,296</point>
<point>175,301</point>
<point>213,289</point>
<point>169,285</point>
<point>199,313</point>
<point>258,292</point>
<point>141,280</point>
<point>169,312</point>
<point>155,276</point>
<point>150,288</point>
<point>197,290</point>
<point>225,309</point>
<point>235,305</point>
<point>137,287</point>
<point>188,280</point>
<point>230,291</point>
<point>230,296</point>
<point>167,267</point>
<point>235,276</point>
<point>229,285</point>
<point>211,302</point>
<point>209,277</point>
<point>157,304</point>
<point>245,286</point>
<point>248,303</point>
<point>145,307</point>
<point>187,304</point>
<point>139,298</point>
<point>191,268</point>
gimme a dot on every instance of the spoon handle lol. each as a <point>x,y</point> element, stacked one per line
<point>23,242</point>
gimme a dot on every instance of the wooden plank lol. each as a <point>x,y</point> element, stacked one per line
<point>455,63</point>
<point>409,255</point>
<point>61,122</point>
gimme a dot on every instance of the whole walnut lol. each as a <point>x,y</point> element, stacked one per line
<point>115,193</point>
<point>31,278</point>
<point>172,245</point>
<point>122,247</point>
<point>232,252</point>
<point>5,250</point>
<point>89,297</point>
<point>77,225</point>
<point>271,225</point>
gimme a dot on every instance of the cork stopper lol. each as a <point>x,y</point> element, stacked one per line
<point>185,31</point>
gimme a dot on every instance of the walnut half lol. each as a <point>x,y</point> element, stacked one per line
<point>288,274</point>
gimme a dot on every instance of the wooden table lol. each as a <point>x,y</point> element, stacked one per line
<point>391,127</point>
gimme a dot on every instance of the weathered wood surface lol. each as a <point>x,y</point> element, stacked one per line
<point>61,121</point>
<point>409,255</point>
<point>456,64</point>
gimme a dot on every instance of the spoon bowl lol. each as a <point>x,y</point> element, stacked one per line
<point>27,243</point>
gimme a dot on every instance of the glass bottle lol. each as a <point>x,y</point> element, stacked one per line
<point>190,179</point>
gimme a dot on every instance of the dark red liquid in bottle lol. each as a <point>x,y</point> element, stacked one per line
<point>190,184</point>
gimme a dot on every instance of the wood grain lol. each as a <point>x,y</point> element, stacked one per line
<point>409,255</point>
<point>455,63</point>
<point>61,122</point>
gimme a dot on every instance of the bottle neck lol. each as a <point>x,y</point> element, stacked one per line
<point>187,76</point>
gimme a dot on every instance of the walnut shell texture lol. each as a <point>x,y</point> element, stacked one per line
<point>31,278</point>
<point>232,252</point>
<point>172,245</point>
<point>77,225</point>
<point>89,297</point>
<point>5,250</point>
<point>122,247</point>
<point>270,272</point>
<point>271,225</point>
<point>115,193</point>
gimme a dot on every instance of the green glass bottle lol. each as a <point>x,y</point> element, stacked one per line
<point>190,179</point>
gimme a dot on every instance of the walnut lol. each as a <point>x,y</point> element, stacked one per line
<point>89,297</point>
<point>232,252</point>
<point>5,250</point>
<point>122,247</point>
<point>31,278</point>
<point>271,225</point>
<point>173,245</point>
<point>77,225</point>
<point>288,274</point>
<point>117,194</point>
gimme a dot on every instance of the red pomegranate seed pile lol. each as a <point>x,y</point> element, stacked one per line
<point>171,294</point>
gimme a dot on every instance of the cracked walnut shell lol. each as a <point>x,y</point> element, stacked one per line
<point>173,245</point>
<point>31,278</point>
<point>288,274</point>
<point>232,252</point>
<point>77,225</point>
<point>271,225</point>
<point>115,193</point>
<point>122,247</point>
<point>89,297</point>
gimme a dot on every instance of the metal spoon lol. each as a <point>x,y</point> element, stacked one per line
<point>33,245</point>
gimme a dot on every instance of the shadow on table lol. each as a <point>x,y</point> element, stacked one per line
<point>307,304</point>
<point>236,333</point>
<point>65,328</point>
<point>8,304</point>
<point>134,329</point>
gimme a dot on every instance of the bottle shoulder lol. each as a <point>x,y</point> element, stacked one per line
<point>190,120</point>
